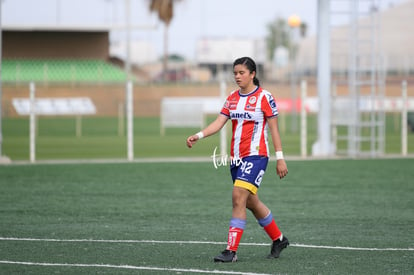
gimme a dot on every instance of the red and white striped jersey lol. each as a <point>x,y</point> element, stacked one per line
<point>248,114</point>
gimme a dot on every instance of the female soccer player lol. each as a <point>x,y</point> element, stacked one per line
<point>252,111</point>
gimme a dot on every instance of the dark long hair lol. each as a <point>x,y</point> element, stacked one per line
<point>251,66</point>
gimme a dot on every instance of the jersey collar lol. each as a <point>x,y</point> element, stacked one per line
<point>252,92</point>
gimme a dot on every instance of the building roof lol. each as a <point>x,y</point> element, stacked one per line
<point>72,28</point>
<point>54,28</point>
<point>226,49</point>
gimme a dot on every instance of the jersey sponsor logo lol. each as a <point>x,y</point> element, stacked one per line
<point>226,104</point>
<point>245,115</point>
<point>231,105</point>
<point>259,178</point>
<point>250,107</point>
<point>272,104</point>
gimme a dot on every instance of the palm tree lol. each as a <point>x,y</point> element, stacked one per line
<point>165,9</point>
<point>278,35</point>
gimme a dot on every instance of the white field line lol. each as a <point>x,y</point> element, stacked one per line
<point>203,242</point>
<point>152,268</point>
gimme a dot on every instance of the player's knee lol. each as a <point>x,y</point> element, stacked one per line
<point>239,201</point>
<point>252,202</point>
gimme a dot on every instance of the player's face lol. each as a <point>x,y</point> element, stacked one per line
<point>242,76</point>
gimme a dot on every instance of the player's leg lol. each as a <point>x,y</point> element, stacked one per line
<point>265,219</point>
<point>247,176</point>
<point>264,216</point>
<point>237,225</point>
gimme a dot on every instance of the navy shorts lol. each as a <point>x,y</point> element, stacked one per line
<point>248,172</point>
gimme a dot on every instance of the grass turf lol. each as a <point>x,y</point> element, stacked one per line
<point>351,203</point>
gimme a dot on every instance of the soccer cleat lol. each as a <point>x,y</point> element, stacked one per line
<point>226,256</point>
<point>277,247</point>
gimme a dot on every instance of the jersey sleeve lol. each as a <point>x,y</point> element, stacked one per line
<point>269,106</point>
<point>225,110</point>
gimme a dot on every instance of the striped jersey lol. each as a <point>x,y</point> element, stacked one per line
<point>248,114</point>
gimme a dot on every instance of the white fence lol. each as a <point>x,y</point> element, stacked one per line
<point>187,111</point>
<point>33,107</point>
<point>55,106</point>
<point>191,112</point>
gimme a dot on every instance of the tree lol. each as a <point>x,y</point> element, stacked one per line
<point>165,10</point>
<point>278,35</point>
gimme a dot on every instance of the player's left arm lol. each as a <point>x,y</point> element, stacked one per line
<point>271,113</point>
<point>281,167</point>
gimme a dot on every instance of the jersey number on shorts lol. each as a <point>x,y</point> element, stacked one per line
<point>247,167</point>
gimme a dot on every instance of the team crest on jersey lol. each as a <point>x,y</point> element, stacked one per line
<point>251,105</point>
<point>252,100</point>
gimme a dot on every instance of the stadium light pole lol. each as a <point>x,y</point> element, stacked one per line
<point>129,87</point>
<point>294,22</point>
<point>323,146</point>
<point>128,39</point>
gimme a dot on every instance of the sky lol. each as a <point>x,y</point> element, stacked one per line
<point>193,19</point>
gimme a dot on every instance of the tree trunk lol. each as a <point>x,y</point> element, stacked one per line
<point>165,59</point>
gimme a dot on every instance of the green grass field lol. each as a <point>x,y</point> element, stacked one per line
<point>99,139</point>
<point>341,217</point>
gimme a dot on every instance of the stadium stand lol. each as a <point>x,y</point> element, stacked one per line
<point>60,70</point>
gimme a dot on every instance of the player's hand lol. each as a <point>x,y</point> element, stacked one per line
<point>281,168</point>
<point>191,140</point>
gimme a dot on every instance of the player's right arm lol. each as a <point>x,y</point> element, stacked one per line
<point>211,129</point>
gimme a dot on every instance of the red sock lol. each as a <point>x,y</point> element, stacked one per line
<point>234,238</point>
<point>272,230</point>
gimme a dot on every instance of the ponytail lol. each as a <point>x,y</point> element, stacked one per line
<point>256,81</point>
